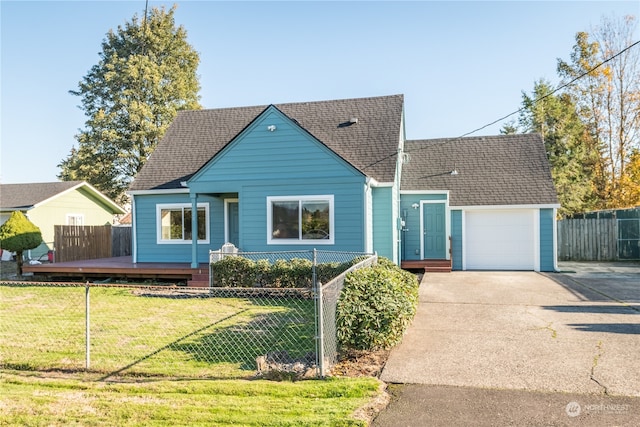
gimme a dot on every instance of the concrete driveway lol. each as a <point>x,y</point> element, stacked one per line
<point>575,332</point>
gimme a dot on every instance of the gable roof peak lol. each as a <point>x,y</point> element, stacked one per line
<point>196,137</point>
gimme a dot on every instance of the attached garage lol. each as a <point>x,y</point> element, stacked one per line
<point>500,239</point>
<point>500,202</point>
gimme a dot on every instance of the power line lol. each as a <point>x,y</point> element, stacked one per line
<point>555,90</point>
<point>446,140</point>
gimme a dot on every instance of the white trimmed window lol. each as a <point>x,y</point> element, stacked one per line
<point>174,223</point>
<point>75,219</point>
<point>300,220</point>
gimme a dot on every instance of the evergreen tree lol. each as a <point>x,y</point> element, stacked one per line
<point>571,157</point>
<point>145,75</point>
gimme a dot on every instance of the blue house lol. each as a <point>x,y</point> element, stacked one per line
<point>340,175</point>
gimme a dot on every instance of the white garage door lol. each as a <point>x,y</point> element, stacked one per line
<point>500,240</point>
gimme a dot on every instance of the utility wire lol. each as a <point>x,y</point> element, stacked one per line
<point>518,110</point>
<point>554,91</point>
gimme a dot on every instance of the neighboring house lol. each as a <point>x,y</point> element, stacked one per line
<point>56,203</point>
<point>339,175</point>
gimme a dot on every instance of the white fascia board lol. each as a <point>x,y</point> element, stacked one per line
<point>45,201</point>
<point>501,207</point>
<point>425,192</point>
<point>382,184</point>
<point>108,201</point>
<point>152,192</point>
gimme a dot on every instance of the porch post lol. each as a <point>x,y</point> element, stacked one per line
<point>194,230</point>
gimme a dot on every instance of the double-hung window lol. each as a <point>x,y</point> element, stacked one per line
<point>174,223</point>
<point>75,219</point>
<point>300,220</point>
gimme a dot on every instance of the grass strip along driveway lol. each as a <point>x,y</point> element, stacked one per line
<point>28,400</point>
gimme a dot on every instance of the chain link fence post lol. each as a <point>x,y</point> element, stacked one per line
<point>87,326</point>
<point>319,318</point>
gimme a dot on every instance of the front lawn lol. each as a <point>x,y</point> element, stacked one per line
<point>146,332</point>
<point>30,400</point>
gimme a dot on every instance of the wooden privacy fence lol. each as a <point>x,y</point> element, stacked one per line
<point>120,241</point>
<point>588,239</point>
<point>74,243</point>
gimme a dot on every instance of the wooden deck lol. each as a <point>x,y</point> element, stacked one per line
<point>122,268</point>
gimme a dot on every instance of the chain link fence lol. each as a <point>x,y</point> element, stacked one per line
<point>222,331</point>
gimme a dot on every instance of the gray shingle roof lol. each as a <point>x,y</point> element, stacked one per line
<point>492,170</point>
<point>196,136</point>
<point>25,196</point>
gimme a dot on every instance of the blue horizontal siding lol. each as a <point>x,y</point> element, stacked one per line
<point>148,250</point>
<point>411,235</point>
<point>348,207</point>
<point>286,153</point>
<point>383,241</point>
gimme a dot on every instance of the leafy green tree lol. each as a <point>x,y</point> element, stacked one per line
<point>145,75</point>
<point>567,144</point>
<point>18,234</point>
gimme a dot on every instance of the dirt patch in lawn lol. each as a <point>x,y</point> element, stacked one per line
<point>360,363</point>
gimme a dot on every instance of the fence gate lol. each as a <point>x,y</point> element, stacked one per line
<point>628,238</point>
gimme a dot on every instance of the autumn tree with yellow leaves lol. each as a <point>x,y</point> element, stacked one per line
<point>607,100</point>
<point>591,124</point>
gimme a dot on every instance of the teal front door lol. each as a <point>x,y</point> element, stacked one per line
<point>434,231</point>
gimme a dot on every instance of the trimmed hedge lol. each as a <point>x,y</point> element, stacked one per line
<point>236,271</point>
<point>376,306</point>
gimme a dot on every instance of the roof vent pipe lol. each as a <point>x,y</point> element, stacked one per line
<point>353,120</point>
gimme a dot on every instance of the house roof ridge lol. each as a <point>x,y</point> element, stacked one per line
<point>476,138</point>
<point>292,103</point>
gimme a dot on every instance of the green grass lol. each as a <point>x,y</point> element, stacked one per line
<point>160,360</point>
<point>134,332</point>
<point>35,401</point>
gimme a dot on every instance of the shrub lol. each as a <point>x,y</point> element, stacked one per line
<point>237,271</point>
<point>294,273</point>
<point>376,306</point>
<point>234,271</point>
<point>18,234</point>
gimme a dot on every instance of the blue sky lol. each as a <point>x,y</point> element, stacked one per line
<point>460,65</point>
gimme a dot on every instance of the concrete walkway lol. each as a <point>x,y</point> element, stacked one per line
<point>523,331</point>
